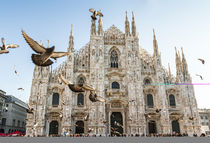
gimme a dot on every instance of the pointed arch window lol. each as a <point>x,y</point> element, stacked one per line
<point>172,101</point>
<point>114,59</point>
<point>80,99</point>
<point>55,99</point>
<point>115,85</point>
<point>81,80</point>
<point>147,81</point>
<point>150,102</point>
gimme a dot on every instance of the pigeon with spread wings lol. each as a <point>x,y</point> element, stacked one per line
<point>22,89</point>
<point>42,58</point>
<point>94,97</point>
<point>30,110</point>
<point>202,60</point>
<point>95,13</point>
<point>199,76</point>
<point>4,47</point>
<point>75,87</point>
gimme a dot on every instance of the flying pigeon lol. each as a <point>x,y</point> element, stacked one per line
<point>191,118</point>
<point>5,47</point>
<point>199,76</point>
<point>75,87</point>
<point>86,117</point>
<point>30,110</point>
<point>118,124</point>
<point>61,115</point>
<point>42,58</point>
<point>95,13</point>
<point>158,110</point>
<point>104,121</point>
<point>202,60</point>
<point>20,89</point>
<point>15,70</point>
<point>94,98</point>
<point>90,130</point>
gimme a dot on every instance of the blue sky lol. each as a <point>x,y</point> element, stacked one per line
<point>180,23</point>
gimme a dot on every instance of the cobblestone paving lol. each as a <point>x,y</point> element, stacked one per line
<point>104,140</point>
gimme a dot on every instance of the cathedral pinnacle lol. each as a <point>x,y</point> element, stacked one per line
<point>71,41</point>
<point>155,45</point>
<point>169,71</point>
<point>100,26</point>
<point>184,64</point>
<point>93,27</point>
<point>127,25</point>
<point>133,25</point>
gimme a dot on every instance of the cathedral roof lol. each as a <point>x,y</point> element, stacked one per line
<point>113,30</point>
<point>114,36</point>
<point>145,56</point>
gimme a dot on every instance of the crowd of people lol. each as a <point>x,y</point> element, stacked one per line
<point>130,135</point>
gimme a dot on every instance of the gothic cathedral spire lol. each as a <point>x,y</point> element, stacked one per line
<point>155,45</point>
<point>184,65</point>
<point>133,26</point>
<point>127,26</point>
<point>93,27</point>
<point>71,41</point>
<point>100,26</point>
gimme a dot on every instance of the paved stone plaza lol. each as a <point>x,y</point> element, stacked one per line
<point>105,140</point>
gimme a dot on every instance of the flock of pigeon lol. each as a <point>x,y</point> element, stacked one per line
<point>43,58</point>
<point>203,62</point>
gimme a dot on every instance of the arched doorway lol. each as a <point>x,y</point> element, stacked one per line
<point>53,128</point>
<point>79,127</point>
<point>175,126</point>
<point>152,127</point>
<point>116,124</point>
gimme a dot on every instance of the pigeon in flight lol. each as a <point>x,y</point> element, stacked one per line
<point>118,124</point>
<point>202,60</point>
<point>42,58</point>
<point>94,97</point>
<point>95,13</point>
<point>90,130</point>
<point>4,48</point>
<point>104,121</point>
<point>21,89</point>
<point>75,87</point>
<point>199,76</point>
<point>15,70</point>
<point>191,118</point>
<point>86,117</point>
<point>30,110</point>
<point>132,100</point>
<point>158,110</point>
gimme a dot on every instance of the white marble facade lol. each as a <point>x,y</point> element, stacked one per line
<point>124,74</point>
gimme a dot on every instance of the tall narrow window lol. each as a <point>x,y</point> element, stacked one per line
<point>172,101</point>
<point>114,59</point>
<point>150,103</point>
<point>55,99</point>
<point>147,82</point>
<point>115,85</point>
<point>80,99</point>
<point>81,81</point>
<point>3,121</point>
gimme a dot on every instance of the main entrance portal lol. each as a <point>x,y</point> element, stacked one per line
<point>116,124</point>
<point>79,127</point>
<point>152,127</point>
<point>53,128</point>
